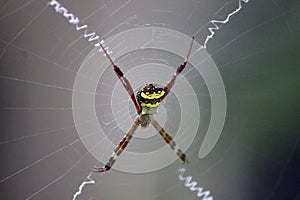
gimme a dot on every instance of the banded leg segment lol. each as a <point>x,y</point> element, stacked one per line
<point>170,84</point>
<point>119,149</point>
<point>123,80</point>
<point>168,139</point>
<point>128,87</point>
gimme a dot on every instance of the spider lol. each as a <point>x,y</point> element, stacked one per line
<point>146,102</point>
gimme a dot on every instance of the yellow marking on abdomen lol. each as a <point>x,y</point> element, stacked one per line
<point>152,96</point>
<point>150,105</point>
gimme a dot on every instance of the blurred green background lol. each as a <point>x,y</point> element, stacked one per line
<point>257,54</point>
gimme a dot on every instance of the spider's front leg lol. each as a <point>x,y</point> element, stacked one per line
<point>169,140</point>
<point>128,87</point>
<point>119,149</point>
<point>170,84</point>
<point>123,80</point>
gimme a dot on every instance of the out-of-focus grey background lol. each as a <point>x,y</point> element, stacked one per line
<point>257,53</point>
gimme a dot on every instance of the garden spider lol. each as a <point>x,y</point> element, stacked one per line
<point>146,103</point>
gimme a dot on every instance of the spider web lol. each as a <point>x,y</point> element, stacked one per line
<point>255,50</point>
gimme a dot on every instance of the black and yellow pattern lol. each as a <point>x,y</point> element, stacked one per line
<point>150,97</point>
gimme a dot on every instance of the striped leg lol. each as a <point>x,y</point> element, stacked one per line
<point>123,80</point>
<point>128,87</point>
<point>119,149</point>
<point>170,84</point>
<point>168,139</point>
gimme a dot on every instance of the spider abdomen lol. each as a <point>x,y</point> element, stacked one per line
<point>150,97</point>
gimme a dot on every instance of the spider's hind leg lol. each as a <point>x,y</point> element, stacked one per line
<point>169,140</point>
<point>119,149</point>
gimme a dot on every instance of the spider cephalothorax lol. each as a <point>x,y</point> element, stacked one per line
<point>150,97</point>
